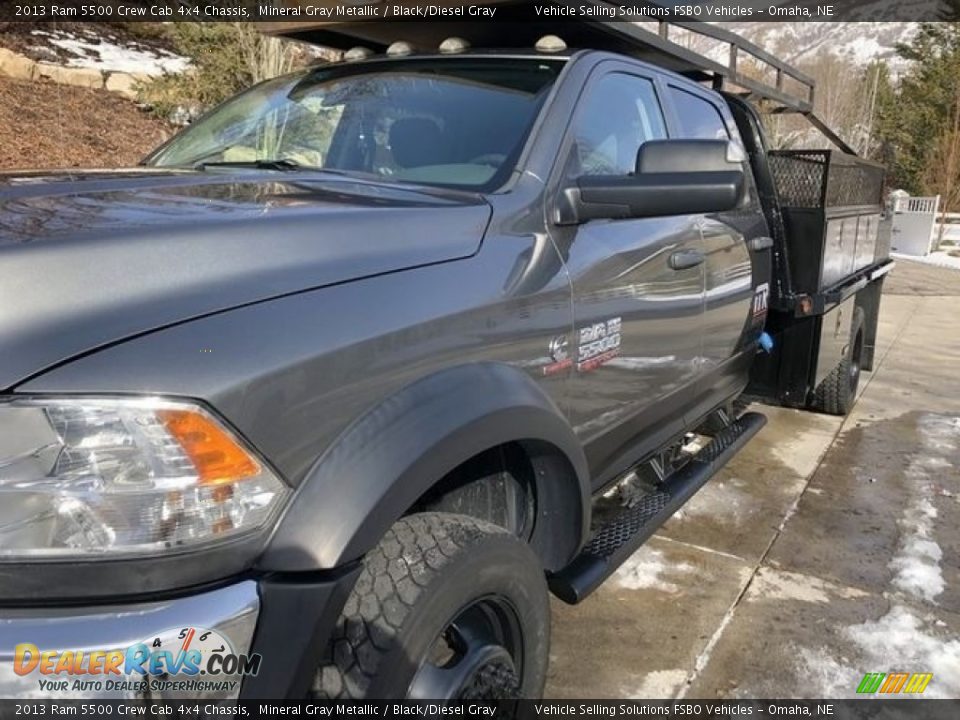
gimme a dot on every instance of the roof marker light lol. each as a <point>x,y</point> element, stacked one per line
<point>357,53</point>
<point>399,48</point>
<point>454,45</point>
<point>550,44</point>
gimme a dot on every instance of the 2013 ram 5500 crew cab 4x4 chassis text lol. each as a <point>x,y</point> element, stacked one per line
<point>327,395</point>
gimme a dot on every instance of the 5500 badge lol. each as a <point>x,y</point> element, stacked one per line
<point>183,652</point>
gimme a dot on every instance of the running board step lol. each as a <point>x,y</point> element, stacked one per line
<point>614,542</point>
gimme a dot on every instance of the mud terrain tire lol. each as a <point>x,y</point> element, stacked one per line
<point>838,391</point>
<point>439,582</point>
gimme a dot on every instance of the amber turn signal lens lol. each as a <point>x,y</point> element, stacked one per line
<point>217,457</point>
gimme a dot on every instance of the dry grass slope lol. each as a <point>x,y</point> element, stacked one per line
<point>44,125</point>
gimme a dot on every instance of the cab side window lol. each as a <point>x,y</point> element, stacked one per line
<point>620,113</point>
<point>699,119</point>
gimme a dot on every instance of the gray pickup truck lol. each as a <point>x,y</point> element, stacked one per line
<point>331,392</point>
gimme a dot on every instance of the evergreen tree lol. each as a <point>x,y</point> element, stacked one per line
<point>913,121</point>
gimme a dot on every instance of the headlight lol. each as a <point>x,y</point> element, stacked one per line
<point>124,477</point>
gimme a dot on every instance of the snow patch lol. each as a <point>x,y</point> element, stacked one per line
<point>898,641</point>
<point>826,675</point>
<point>645,570</point>
<point>941,433</point>
<point>864,50</point>
<point>940,258</point>
<point>101,54</point>
<point>916,566</point>
<point>858,42</point>
<point>904,639</point>
<point>657,684</point>
<point>782,585</point>
<point>720,499</point>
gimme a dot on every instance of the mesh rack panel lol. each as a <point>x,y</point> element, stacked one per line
<point>825,178</point>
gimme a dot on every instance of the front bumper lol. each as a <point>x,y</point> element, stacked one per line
<point>279,626</point>
<point>230,612</point>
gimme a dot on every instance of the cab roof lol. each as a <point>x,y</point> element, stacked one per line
<point>693,49</point>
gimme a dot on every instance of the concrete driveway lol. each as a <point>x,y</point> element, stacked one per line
<point>827,549</point>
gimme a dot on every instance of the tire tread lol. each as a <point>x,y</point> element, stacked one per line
<point>395,576</point>
<point>833,396</point>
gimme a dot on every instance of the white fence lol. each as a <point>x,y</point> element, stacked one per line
<point>916,204</point>
<point>914,219</point>
<point>951,230</point>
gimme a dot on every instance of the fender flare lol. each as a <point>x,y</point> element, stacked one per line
<point>393,454</point>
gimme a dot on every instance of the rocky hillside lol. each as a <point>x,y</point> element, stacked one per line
<point>799,42</point>
<point>51,121</point>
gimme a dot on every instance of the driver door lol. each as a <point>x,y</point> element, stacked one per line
<point>638,288</point>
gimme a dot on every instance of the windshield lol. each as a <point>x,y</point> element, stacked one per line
<point>454,122</point>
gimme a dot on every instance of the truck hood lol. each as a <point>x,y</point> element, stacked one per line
<point>88,258</point>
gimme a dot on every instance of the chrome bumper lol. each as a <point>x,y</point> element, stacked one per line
<point>231,613</point>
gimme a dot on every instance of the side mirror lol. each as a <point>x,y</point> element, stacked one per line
<point>671,177</point>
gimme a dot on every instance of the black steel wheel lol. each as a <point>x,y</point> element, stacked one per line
<point>446,607</point>
<point>475,657</point>
<point>853,364</point>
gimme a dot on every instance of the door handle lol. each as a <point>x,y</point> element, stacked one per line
<point>685,259</point>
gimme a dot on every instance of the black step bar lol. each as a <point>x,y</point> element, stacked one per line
<point>613,543</point>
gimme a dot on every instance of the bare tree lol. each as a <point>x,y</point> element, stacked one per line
<point>844,96</point>
<point>264,56</point>
<point>844,100</point>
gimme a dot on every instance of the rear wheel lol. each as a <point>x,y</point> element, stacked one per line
<point>446,607</point>
<point>838,391</point>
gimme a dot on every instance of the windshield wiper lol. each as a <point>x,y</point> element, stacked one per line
<point>277,164</point>
<point>281,164</point>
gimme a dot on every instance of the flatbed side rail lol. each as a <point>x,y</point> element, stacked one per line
<point>823,302</point>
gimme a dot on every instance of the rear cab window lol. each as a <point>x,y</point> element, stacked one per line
<point>698,118</point>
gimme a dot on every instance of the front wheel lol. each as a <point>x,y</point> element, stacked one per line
<point>446,607</point>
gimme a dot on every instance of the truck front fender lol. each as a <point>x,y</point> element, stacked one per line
<point>396,452</point>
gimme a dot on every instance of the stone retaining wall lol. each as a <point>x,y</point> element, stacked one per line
<point>23,68</point>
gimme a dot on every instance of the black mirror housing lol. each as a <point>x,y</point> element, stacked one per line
<point>688,156</point>
<point>673,177</point>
